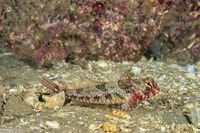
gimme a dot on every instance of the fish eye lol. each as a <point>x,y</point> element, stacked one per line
<point>148,84</point>
<point>49,43</point>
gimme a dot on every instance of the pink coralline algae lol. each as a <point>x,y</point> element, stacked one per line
<point>181,30</point>
<point>103,29</point>
<point>99,29</point>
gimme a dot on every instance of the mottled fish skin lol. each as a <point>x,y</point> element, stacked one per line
<point>126,91</point>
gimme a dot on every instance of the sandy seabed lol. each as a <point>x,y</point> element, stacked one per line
<point>174,108</point>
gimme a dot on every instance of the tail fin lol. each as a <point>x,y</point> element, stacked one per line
<point>50,84</point>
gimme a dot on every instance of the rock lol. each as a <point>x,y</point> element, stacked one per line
<point>175,116</point>
<point>190,105</point>
<point>136,70</point>
<point>35,126</point>
<point>195,116</point>
<point>12,91</point>
<point>190,76</point>
<point>33,100</point>
<point>176,66</point>
<point>16,106</point>
<point>102,64</point>
<point>162,128</point>
<point>94,127</point>
<point>53,124</point>
<point>198,67</point>
<point>162,77</point>
<point>106,127</point>
<point>60,114</point>
<point>51,102</point>
<point>112,128</point>
<point>190,68</point>
<point>124,129</point>
<point>56,100</point>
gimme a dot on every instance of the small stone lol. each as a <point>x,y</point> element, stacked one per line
<point>123,121</point>
<point>198,75</point>
<point>198,67</point>
<point>142,129</point>
<point>113,128</point>
<point>190,68</point>
<point>92,127</point>
<point>136,70</point>
<point>106,127</point>
<point>81,123</point>
<point>162,77</point>
<point>12,91</point>
<point>190,105</point>
<point>55,100</point>
<point>162,128</point>
<point>102,64</point>
<point>179,98</point>
<point>16,106</point>
<point>33,100</point>
<point>125,63</point>
<point>190,76</point>
<point>46,75</point>
<point>195,116</point>
<point>95,127</point>
<point>60,114</point>
<point>176,66</point>
<point>35,127</point>
<point>53,124</point>
<point>145,102</point>
<point>125,130</point>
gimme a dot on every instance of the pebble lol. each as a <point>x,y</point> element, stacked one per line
<point>106,127</point>
<point>190,105</point>
<point>60,114</point>
<point>51,102</point>
<point>123,121</point>
<point>179,98</point>
<point>33,100</point>
<point>125,130</point>
<point>190,76</point>
<point>136,70</point>
<point>125,63</point>
<point>198,75</point>
<point>145,102</point>
<point>198,67</point>
<point>195,116</point>
<point>112,128</point>
<point>142,129</point>
<point>176,66</point>
<point>55,100</point>
<point>93,127</point>
<point>182,90</point>
<point>162,128</point>
<point>35,127</point>
<point>12,91</point>
<point>190,68</point>
<point>45,75</point>
<point>102,64</point>
<point>53,124</point>
<point>162,78</point>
